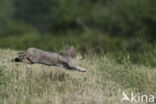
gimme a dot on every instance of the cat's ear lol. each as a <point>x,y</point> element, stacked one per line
<point>70,52</point>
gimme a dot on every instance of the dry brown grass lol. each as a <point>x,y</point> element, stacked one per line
<point>103,83</point>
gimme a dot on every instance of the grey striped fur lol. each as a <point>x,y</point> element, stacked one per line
<point>62,59</point>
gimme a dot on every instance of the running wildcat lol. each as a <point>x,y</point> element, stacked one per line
<point>60,59</point>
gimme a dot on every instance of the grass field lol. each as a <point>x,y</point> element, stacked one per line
<point>103,83</point>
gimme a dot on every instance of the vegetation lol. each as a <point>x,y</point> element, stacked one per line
<point>104,23</point>
<point>116,38</point>
<point>104,81</point>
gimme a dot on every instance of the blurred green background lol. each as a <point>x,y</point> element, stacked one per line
<point>121,27</point>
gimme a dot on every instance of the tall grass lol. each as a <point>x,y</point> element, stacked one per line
<point>103,83</point>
